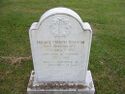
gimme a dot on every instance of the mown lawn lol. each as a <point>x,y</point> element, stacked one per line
<point>107,59</point>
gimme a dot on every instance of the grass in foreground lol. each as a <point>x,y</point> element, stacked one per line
<point>107,59</point>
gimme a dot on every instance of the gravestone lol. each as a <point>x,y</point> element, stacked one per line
<point>60,45</point>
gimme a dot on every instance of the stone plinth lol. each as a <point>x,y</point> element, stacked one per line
<point>61,87</point>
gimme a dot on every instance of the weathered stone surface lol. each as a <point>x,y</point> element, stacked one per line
<point>60,44</point>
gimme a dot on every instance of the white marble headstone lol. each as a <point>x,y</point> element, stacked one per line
<point>60,44</point>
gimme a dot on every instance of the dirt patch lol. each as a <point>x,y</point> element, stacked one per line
<point>14,60</point>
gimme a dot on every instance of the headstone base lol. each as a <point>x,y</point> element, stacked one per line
<point>87,89</point>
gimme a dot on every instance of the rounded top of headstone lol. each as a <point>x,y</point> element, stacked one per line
<point>60,10</point>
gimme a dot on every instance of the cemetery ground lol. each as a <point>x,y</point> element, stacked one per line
<point>107,57</point>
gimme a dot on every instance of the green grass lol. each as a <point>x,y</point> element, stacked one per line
<point>107,59</point>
